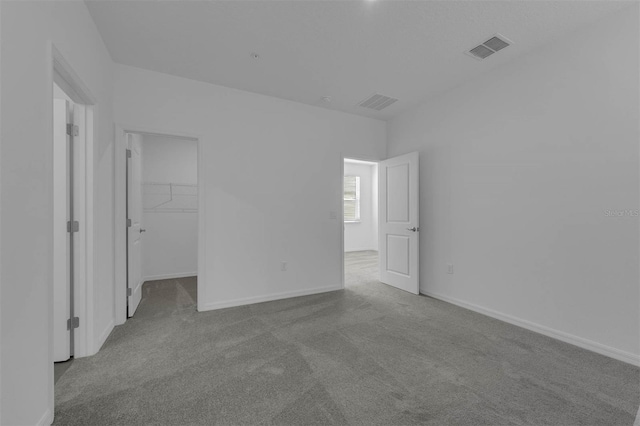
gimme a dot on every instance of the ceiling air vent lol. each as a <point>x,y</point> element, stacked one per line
<point>489,47</point>
<point>377,102</point>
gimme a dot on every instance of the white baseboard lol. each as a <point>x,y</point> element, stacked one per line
<point>581,342</point>
<point>266,298</point>
<point>103,336</point>
<point>46,419</point>
<point>170,276</point>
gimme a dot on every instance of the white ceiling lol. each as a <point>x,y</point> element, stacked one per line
<point>343,49</point>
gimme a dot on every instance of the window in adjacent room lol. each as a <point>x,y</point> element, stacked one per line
<point>352,198</point>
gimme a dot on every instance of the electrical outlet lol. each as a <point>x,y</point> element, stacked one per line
<point>283,266</point>
<point>449,268</point>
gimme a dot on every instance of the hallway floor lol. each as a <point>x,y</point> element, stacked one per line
<point>360,267</point>
<point>369,354</point>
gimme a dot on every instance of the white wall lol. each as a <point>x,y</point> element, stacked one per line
<point>168,159</point>
<point>363,235</point>
<point>271,180</point>
<point>170,243</point>
<point>26,192</point>
<point>518,169</point>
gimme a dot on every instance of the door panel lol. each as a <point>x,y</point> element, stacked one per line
<point>134,231</point>
<point>398,249</point>
<point>61,264</point>
<point>399,222</point>
<point>398,193</point>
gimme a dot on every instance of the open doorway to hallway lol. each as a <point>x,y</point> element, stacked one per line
<point>72,167</point>
<point>360,197</point>
<point>162,221</point>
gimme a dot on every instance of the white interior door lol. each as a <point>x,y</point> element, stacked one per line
<point>399,222</point>
<point>134,222</point>
<point>61,264</point>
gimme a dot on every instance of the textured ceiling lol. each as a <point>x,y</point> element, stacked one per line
<point>343,49</point>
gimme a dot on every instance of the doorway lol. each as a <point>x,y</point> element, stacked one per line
<point>360,208</point>
<point>72,136</point>
<point>71,301</point>
<point>161,181</point>
<point>386,248</point>
<point>72,126</point>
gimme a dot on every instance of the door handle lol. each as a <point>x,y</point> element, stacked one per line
<point>414,229</point>
<point>142,230</point>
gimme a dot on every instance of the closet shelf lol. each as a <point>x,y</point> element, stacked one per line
<point>169,197</point>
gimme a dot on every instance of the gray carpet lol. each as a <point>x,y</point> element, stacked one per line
<point>369,354</point>
<point>59,368</point>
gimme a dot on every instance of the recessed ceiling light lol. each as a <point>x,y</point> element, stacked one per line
<point>254,55</point>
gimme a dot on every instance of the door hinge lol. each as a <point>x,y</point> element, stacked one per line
<point>128,223</point>
<point>129,292</point>
<point>75,227</point>
<point>128,153</point>
<point>73,323</point>
<point>72,130</point>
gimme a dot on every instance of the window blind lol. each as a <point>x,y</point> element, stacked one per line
<point>351,198</point>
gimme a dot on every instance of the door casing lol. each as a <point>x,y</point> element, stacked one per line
<point>120,216</point>
<point>61,73</point>
<point>380,234</point>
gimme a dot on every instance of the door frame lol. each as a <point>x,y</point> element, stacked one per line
<point>344,157</point>
<point>65,77</point>
<point>62,73</point>
<point>120,213</point>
